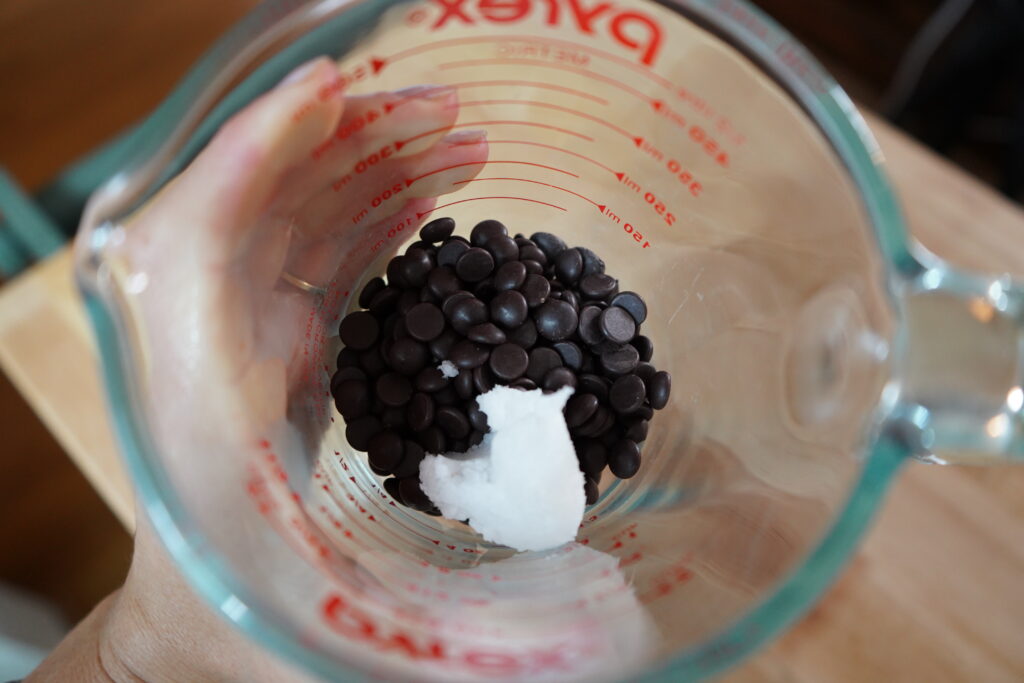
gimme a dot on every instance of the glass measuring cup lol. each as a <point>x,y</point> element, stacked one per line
<point>719,172</point>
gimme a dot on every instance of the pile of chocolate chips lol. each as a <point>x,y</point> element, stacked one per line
<point>521,312</point>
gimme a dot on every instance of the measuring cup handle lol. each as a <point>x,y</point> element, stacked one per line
<point>957,388</point>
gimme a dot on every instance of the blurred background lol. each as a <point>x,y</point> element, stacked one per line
<point>74,74</point>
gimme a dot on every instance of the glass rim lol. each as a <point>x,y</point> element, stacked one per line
<point>758,38</point>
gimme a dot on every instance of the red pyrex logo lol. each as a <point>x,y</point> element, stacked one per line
<point>356,625</point>
<point>633,30</point>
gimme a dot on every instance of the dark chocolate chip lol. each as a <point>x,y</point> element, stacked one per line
<point>347,358</point>
<point>533,267</point>
<point>477,418</point>
<point>419,414</point>
<point>460,445</point>
<point>483,231</point>
<point>646,412</point>
<point>660,388</point>
<point>620,360</point>
<point>447,396</point>
<point>442,345</point>
<point>452,422</point>
<point>644,347</point>
<point>487,333</point>
<point>509,309</point>
<point>635,430</point>
<point>579,408</point>
<point>391,486</point>
<point>408,356</point>
<point>416,265</point>
<point>645,371</point>
<point>359,431</point>
<point>344,375</point>
<point>624,458</point>
<point>437,230</point>
<point>597,285</point>
<point>408,299</point>
<point>531,252</point>
<point>370,290</point>
<point>509,275</point>
<point>411,457</point>
<point>455,297</point>
<point>536,289</point>
<point>503,248</point>
<point>433,440</point>
<point>558,378</point>
<point>617,325</point>
<point>476,438</point>
<point>590,491</point>
<point>541,361</point>
<point>449,253</point>
<point>590,326</point>
<point>424,321</point>
<point>571,354</point>
<point>352,398</point>
<point>524,384</point>
<point>413,496</point>
<point>393,419</point>
<point>468,355</point>
<point>483,379</point>
<point>592,384</point>
<point>359,330</point>
<point>627,394</point>
<point>372,362</point>
<point>525,335</point>
<point>551,245</point>
<point>463,384</point>
<point>509,361</point>
<point>385,301</point>
<point>466,313</point>
<point>592,263</point>
<point>569,266</point>
<point>593,458</point>
<point>393,389</point>
<point>556,320</point>
<point>442,282</point>
<point>396,272</point>
<point>633,303</point>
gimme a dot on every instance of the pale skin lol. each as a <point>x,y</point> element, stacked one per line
<point>255,202</point>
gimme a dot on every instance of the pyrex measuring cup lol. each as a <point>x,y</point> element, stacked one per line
<point>719,172</point>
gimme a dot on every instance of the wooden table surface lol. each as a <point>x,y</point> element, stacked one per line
<point>935,593</point>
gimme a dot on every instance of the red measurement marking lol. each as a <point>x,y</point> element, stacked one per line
<point>401,143</point>
<point>533,84</point>
<point>565,110</point>
<point>639,68</point>
<point>421,214</point>
<point>535,182</point>
<point>557,149</point>
<point>410,181</point>
<point>264,443</point>
<point>498,61</point>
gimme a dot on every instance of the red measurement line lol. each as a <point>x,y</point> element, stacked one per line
<point>421,214</point>
<point>533,62</point>
<point>546,105</point>
<point>535,182</point>
<point>410,181</point>
<point>399,144</point>
<point>639,68</point>
<point>534,84</point>
<point>557,149</point>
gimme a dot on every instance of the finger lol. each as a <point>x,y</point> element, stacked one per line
<point>378,193</point>
<point>372,130</point>
<point>232,181</point>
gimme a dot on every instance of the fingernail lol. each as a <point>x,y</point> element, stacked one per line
<point>466,137</point>
<point>429,92</point>
<point>301,72</point>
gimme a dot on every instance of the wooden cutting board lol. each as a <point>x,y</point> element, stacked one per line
<point>936,593</point>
